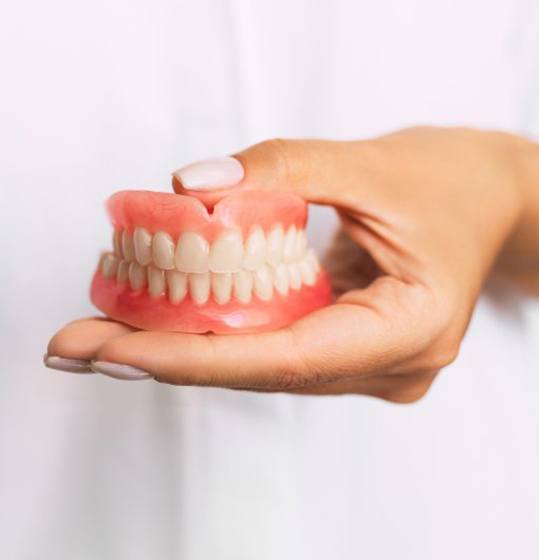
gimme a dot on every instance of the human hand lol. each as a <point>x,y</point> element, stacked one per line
<point>425,214</point>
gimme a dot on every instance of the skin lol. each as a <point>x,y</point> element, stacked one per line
<point>428,215</point>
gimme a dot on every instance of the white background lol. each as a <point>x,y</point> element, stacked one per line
<point>99,96</point>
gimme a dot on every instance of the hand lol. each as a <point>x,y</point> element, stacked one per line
<point>425,214</point>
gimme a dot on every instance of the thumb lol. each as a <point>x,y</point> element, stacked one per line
<point>320,171</point>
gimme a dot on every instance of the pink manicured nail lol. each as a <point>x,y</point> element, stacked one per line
<point>67,364</point>
<point>210,174</point>
<point>120,371</point>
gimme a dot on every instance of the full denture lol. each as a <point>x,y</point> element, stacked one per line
<point>175,266</point>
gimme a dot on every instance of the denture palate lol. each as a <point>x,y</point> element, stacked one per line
<point>227,268</point>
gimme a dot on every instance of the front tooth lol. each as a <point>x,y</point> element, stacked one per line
<point>142,240</point>
<point>301,245</point>
<point>308,274</point>
<point>128,248</point>
<point>274,250</point>
<point>156,281</point>
<point>199,286</point>
<point>177,285</point>
<point>280,279</point>
<point>109,264</point>
<point>226,252</point>
<point>295,276</point>
<point>117,242</point>
<point>192,252</point>
<point>137,276</point>
<point>263,283</point>
<point>255,250</point>
<point>221,285</point>
<point>163,250</point>
<point>122,272</point>
<point>243,286</point>
<point>289,247</point>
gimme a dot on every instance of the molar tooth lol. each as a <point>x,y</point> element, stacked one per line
<point>226,252</point>
<point>117,242</point>
<point>301,245</point>
<point>109,264</point>
<point>192,252</point>
<point>128,248</point>
<point>255,250</point>
<point>163,250</point>
<point>221,285</point>
<point>177,285</point>
<point>280,278</point>
<point>263,283</point>
<point>308,274</point>
<point>137,276</point>
<point>199,285</point>
<point>122,272</point>
<point>295,276</point>
<point>156,281</point>
<point>142,241</point>
<point>274,253</point>
<point>243,286</point>
<point>313,259</point>
<point>289,247</point>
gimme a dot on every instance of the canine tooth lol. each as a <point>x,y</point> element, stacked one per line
<point>280,278</point>
<point>255,250</point>
<point>163,250</point>
<point>274,250</point>
<point>156,281</point>
<point>199,285</point>
<point>221,285</point>
<point>109,264</point>
<point>137,276</point>
<point>308,274</point>
<point>128,248</point>
<point>263,283</point>
<point>295,276</point>
<point>312,258</point>
<point>117,242</point>
<point>301,245</point>
<point>192,252</point>
<point>226,252</point>
<point>177,285</point>
<point>122,272</point>
<point>142,240</point>
<point>289,247</point>
<point>243,286</point>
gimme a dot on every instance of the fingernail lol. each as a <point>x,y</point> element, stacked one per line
<point>67,364</point>
<point>210,174</point>
<point>120,371</point>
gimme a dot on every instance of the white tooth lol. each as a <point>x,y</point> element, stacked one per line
<point>137,276</point>
<point>313,259</point>
<point>280,279</point>
<point>308,275</point>
<point>301,245</point>
<point>199,287</point>
<point>109,264</point>
<point>128,248</point>
<point>117,242</point>
<point>221,285</point>
<point>275,243</point>
<point>163,250</point>
<point>263,283</point>
<point>192,253</point>
<point>156,281</point>
<point>122,273</point>
<point>295,276</point>
<point>243,286</point>
<point>255,250</point>
<point>289,247</point>
<point>142,240</point>
<point>226,252</point>
<point>177,285</point>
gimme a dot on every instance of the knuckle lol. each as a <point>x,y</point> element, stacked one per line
<point>281,154</point>
<point>409,392</point>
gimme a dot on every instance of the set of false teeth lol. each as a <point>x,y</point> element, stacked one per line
<point>227,267</point>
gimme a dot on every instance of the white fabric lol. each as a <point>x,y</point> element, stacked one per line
<point>103,95</point>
